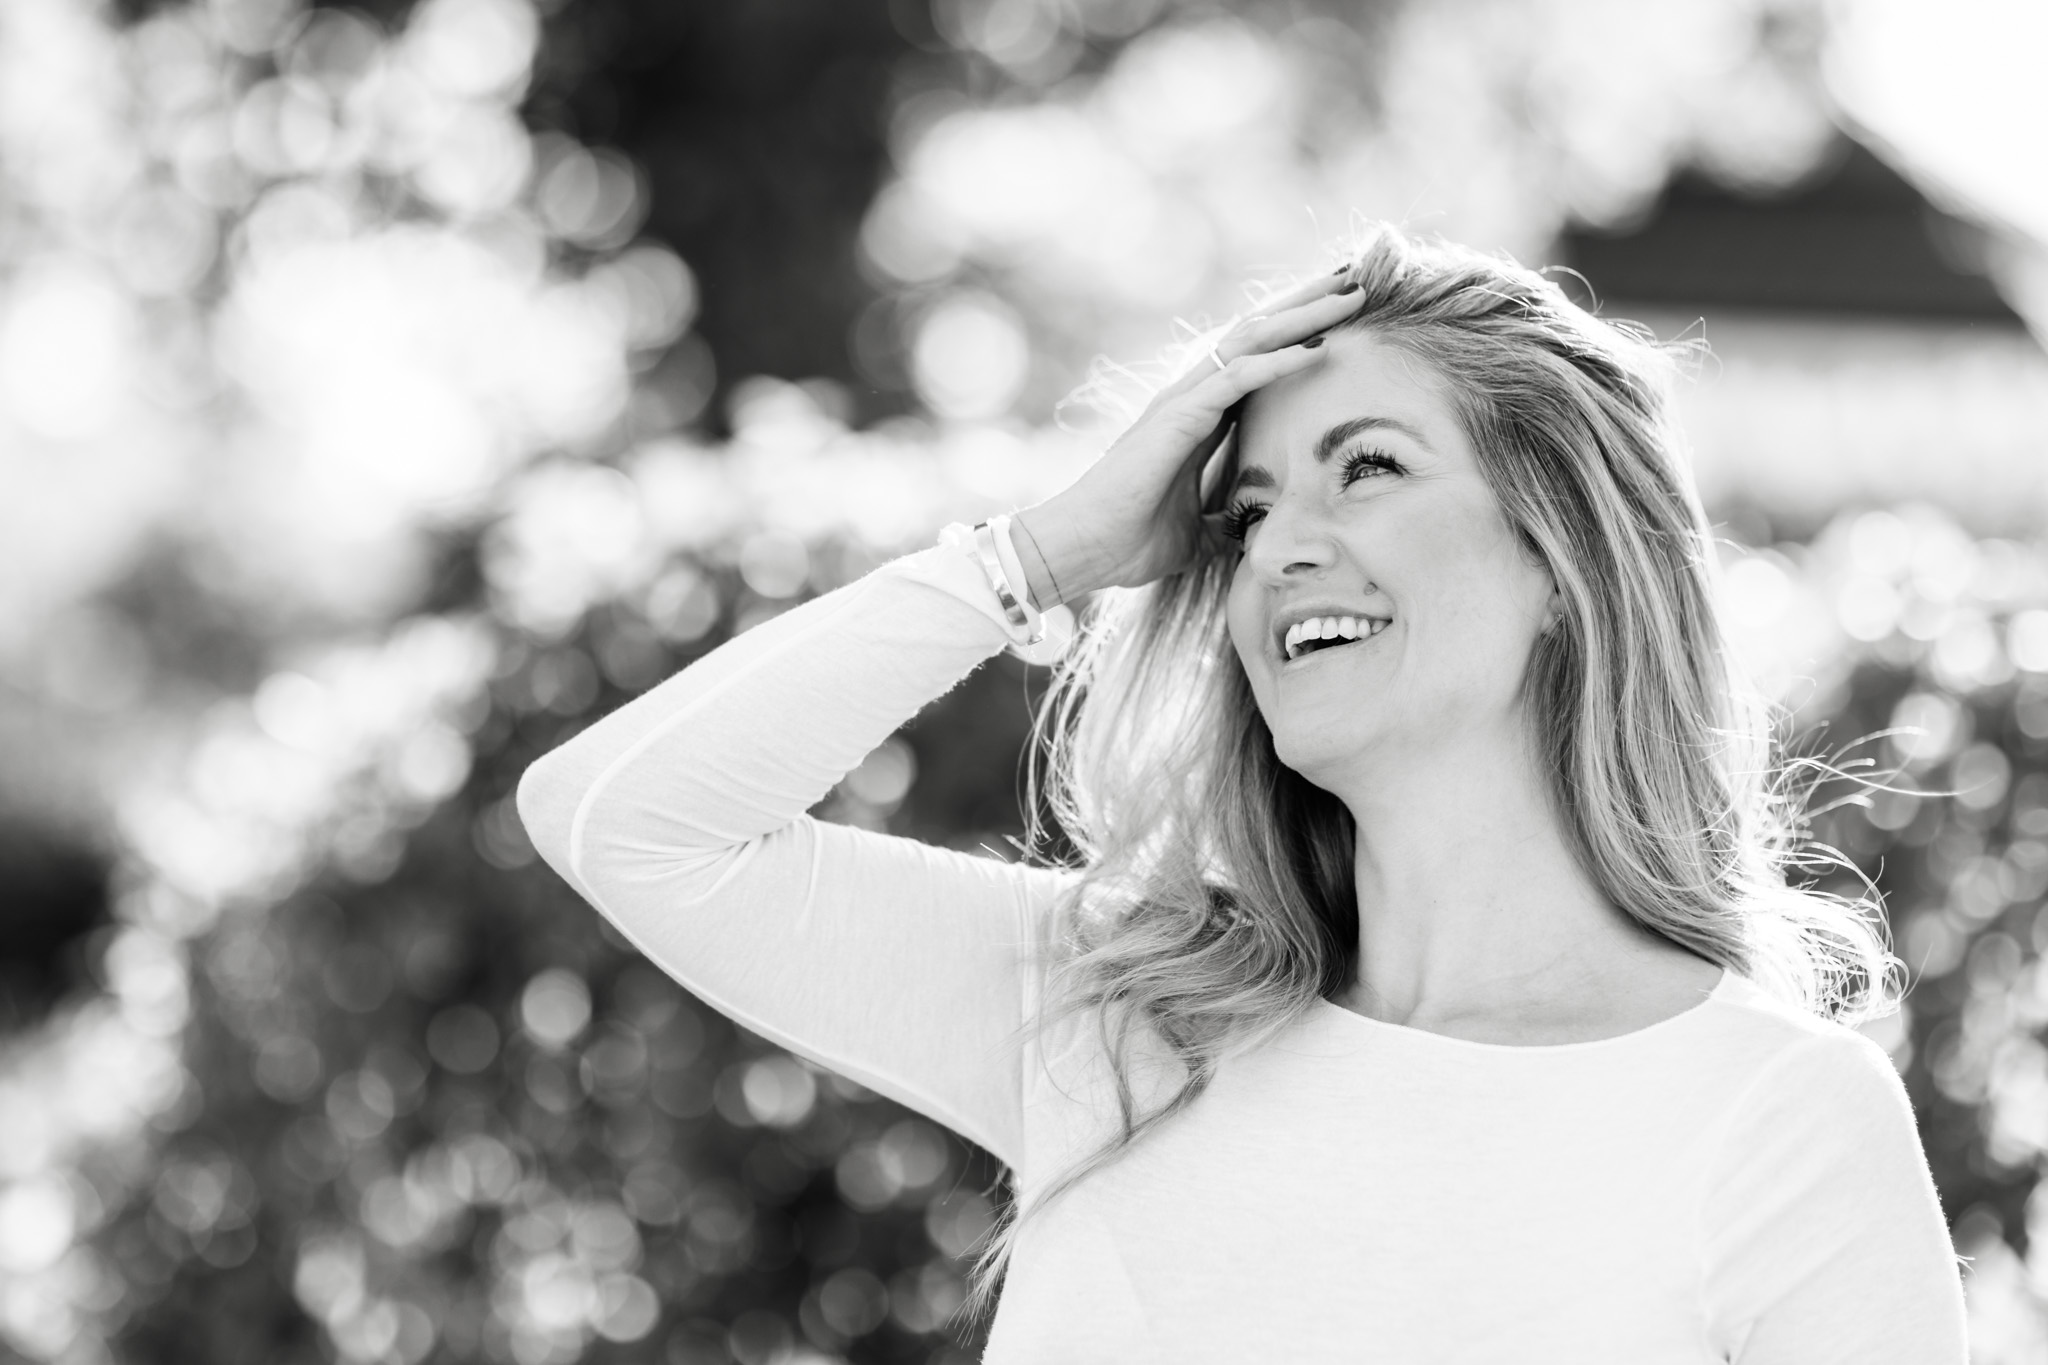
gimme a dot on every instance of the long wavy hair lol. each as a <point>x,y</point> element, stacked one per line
<point>1216,903</point>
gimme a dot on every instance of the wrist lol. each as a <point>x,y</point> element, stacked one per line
<point>1055,570</point>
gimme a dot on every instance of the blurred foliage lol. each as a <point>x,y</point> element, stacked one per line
<point>761,128</point>
<point>447,1110</point>
<point>366,399</point>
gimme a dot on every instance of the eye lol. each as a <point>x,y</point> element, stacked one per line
<point>1359,462</point>
<point>1237,522</point>
<point>1244,514</point>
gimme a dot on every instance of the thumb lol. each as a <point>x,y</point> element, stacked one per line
<point>1212,539</point>
<point>1220,457</point>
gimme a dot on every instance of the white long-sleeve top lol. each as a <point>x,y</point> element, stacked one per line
<point>1741,1182</point>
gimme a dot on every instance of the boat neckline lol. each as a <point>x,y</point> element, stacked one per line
<point>1722,990</point>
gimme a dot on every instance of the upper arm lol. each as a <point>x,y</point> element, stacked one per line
<point>1823,1235</point>
<point>903,966</point>
<point>680,816</point>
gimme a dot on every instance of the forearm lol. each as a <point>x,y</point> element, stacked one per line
<point>750,736</point>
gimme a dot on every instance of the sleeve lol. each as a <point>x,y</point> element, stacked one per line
<point>1823,1237</point>
<point>680,817</point>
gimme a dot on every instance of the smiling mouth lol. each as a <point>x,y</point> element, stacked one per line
<point>1295,650</point>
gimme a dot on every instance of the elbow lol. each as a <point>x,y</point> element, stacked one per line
<point>546,802</point>
<point>621,841</point>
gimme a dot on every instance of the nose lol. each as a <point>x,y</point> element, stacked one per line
<point>1291,541</point>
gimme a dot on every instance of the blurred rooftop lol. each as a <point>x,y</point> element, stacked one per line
<point>1862,351</point>
<point>1853,238</point>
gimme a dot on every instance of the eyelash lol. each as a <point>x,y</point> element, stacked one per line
<point>1237,522</point>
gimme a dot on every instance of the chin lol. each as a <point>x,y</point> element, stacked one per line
<point>1315,754</point>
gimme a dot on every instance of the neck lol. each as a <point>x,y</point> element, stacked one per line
<point>1469,898</point>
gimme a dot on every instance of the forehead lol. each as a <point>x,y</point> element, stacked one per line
<point>1367,384</point>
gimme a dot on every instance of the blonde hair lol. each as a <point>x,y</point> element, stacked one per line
<point>1216,900</point>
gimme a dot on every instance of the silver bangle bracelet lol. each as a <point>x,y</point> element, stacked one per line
<point>1026,625</point>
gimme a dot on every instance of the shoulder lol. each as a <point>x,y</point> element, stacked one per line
<point>1820,1223</point>
<point>1794,1064</point>
<point>1804,1104</point>
<point>1828,1078</point>
<point>1764,1032</point>
<point>1817,1115</point>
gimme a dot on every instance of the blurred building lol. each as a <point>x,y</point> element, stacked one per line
<point>1860,350</point>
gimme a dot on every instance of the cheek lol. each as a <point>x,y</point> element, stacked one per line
<point>1473,627</point>
<point>1238,615</point>
<point>1478,662</point>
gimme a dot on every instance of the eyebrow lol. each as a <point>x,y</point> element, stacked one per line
<point>1253,476</point>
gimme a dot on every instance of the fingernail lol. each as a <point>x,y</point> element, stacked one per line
<point>1311,343</point>
<point>1350,287</point>
<point>1341,269</point>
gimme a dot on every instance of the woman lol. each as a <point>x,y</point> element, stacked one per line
<point>1428,988</point>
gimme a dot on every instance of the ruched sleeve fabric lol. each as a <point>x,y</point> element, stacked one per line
<point>681,817</point>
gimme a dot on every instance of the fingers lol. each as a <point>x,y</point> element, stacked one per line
<point>1286,326</point>
<point>1204,415</point>
<point>1307,291</point>
<point>1222,388</point>
<point>1293,316</point>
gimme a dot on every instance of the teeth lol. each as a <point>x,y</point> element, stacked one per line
<point>1330,628</point>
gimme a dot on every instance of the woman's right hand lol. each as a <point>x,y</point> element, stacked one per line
<point>1135,515</point>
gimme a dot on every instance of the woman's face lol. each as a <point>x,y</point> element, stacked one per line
<point>1360,495</point>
